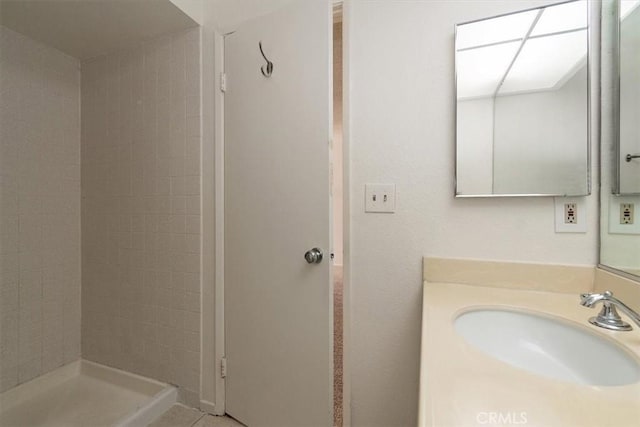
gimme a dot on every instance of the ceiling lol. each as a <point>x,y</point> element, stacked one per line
<point>87,28</point>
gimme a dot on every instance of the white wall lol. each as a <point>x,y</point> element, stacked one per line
<point>195,9</point>
<point>225,15</point>
<point>401,89</point>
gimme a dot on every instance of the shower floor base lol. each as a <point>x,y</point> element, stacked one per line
<point>86,393</point>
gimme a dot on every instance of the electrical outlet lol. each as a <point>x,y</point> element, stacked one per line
<point>626,213</point>
<point>622,215</point>
<point>570,213</point>
<point>380,198</point>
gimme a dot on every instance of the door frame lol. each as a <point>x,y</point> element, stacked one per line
<point>212,384</point>
<point>219,221</point>
<point>346,211</point>
<point>212,389</point>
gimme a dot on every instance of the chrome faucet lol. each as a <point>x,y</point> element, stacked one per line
<point>608,317</point>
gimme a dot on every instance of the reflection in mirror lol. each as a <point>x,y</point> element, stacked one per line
<point>629,152</point>
<point>522,103</point>
<point>620,213</point>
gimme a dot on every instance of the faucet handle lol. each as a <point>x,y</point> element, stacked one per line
<point>589,299</point>
<point>609,318</point>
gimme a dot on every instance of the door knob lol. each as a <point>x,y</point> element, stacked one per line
<point>313,256</point>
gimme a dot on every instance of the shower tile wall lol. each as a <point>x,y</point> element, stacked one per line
<point>39,209</point>
<point>141,210</point>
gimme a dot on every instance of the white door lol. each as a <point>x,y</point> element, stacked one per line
<point>278,307</point>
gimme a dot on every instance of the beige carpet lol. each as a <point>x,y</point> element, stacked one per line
<point>337,346</point>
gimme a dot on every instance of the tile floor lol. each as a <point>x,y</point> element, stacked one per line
<point>182,416</point>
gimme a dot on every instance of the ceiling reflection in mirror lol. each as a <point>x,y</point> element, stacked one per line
<point>522,103</point>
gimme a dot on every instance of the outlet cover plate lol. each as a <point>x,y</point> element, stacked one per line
<point>580,215</point>
<point>380,198</point>
<point>615,203</point>
<point>627,214</point>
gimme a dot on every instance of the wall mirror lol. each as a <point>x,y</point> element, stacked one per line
<point>522,110</point>
<point>629,72</point>
<point>620,179</point>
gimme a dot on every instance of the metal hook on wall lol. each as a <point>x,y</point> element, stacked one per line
<point>269,66</point>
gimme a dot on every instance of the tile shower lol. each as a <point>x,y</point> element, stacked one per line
<point>141,210</point>
<point>100,209</point>
<point>39,209</point>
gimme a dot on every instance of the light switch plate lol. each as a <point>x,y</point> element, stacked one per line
<point>380,198</point>
<point>577,221</point>
<point>615,226</point>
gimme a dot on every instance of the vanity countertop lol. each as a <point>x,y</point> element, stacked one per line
<point>466,387</point>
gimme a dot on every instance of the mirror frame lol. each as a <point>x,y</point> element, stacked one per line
<point>589,173</point>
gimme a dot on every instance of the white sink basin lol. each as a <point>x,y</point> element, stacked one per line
<point>549,346</point>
